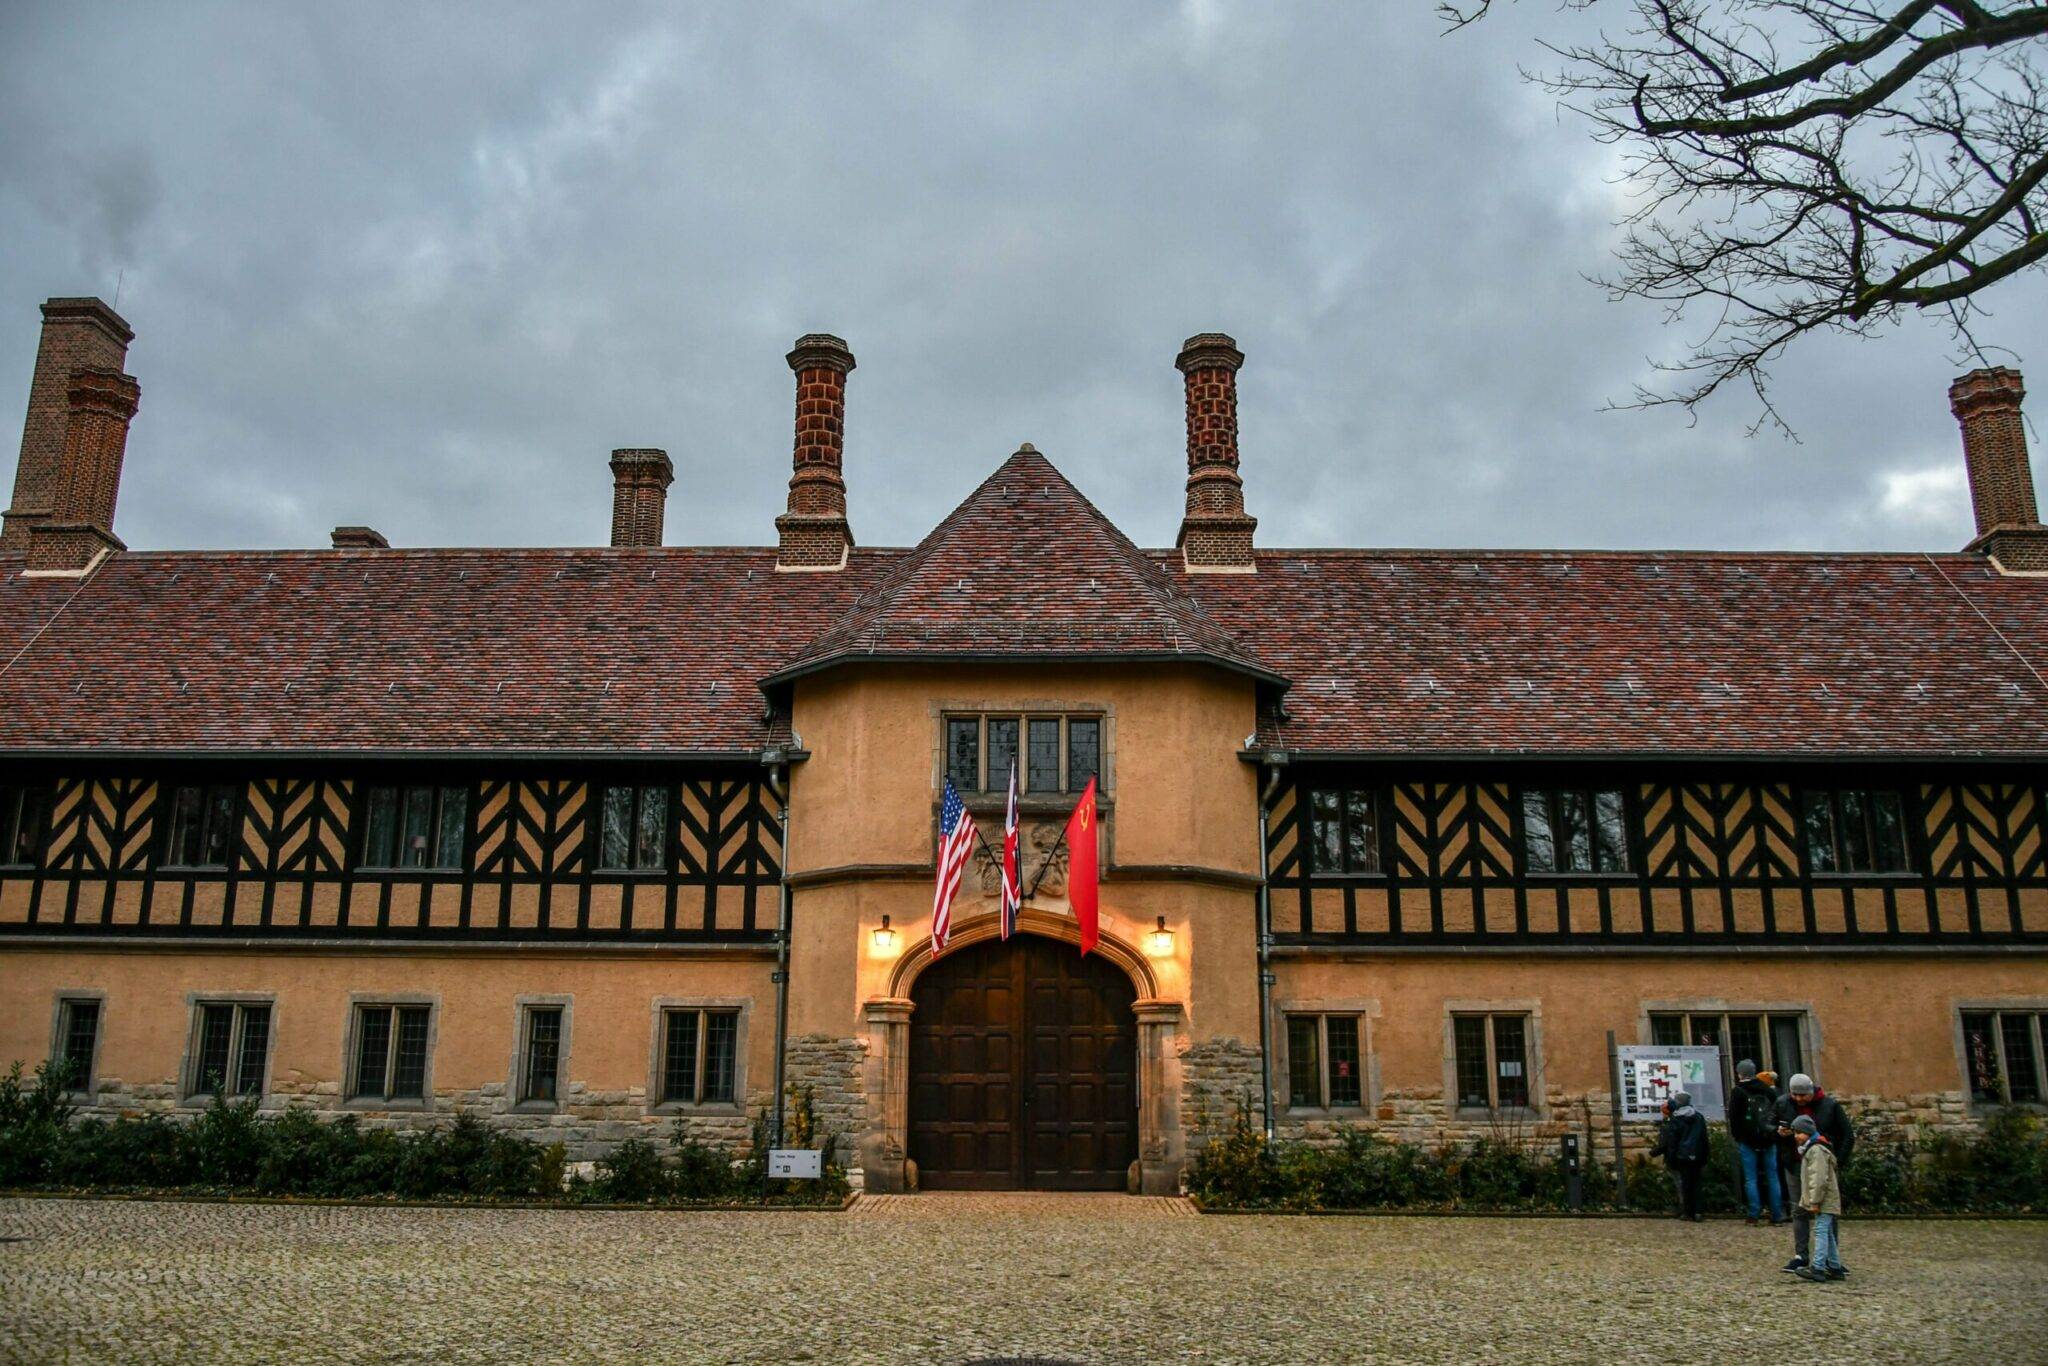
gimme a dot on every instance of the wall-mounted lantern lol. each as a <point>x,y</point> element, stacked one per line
<point>886,939</point>
<point>1159,940</point>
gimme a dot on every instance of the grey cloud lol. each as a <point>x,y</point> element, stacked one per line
<point>425,268</point>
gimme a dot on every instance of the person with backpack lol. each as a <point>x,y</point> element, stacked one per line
<point>1753,1124</point>
<point>1820,1196</point>
<point>1682,1143</point>
<point>1804,1100</point>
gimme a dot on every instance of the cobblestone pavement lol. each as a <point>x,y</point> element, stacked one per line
<point>957,1278</point>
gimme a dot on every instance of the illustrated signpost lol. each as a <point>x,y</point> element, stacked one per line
<point>795,1164</point>
<point>1642,1076</point>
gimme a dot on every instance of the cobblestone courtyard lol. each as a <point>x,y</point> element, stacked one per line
<point>955,1278</point>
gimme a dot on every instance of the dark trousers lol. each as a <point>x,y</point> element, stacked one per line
<point>1688,1174</point>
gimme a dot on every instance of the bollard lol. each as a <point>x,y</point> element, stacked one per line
<point>1574,1178</point>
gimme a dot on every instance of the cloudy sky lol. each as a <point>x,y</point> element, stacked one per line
<point>423,267</point>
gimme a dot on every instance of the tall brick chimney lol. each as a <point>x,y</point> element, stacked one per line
<point>813,533</point>
<point>81,527</point>
<point>640,480</point>
<point>76,333</point>
<point>1216,535</point>
<point>1987,404</point>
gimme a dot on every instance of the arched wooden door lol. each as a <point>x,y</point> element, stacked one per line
<point>1023,1069</point>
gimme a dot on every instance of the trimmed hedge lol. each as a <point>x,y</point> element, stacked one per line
<point>2003,1170</point>
<point>232,1148</point>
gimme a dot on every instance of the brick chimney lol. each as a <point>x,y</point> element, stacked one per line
<point>81,527</point>
<point>1216,535</point>
<point>640,480</point>
<point>813,533</point>
<point>2009,530</point>
<point>76,333</point>
<point>360,538</point>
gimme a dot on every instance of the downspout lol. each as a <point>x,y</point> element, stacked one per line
<point>778,784</point>
<point>1272,785</point>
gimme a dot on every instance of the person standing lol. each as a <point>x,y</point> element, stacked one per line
<point>1820,1196</point>
<point>1753,1124</point>
<point>1682,1143</point>
<point>1804,1100</point>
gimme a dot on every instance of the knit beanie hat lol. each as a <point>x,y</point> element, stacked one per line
<point>1804,1125</point>
<point>1768,1078</point>
<point>1744,1070</point>
<point>1680,1099</point>
<point>1802,1085</point>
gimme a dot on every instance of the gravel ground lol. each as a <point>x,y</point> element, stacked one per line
<point>955,1278</point>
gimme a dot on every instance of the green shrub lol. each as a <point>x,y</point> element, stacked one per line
<point>1239,1168</point>
<point>150,1153</point>
<point>33,1120</point>
<point>630,1174</point>
<point>227,1143</point>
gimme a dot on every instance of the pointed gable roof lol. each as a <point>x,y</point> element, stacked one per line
<point>1025,568</point>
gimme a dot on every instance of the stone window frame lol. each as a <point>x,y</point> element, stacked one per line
<point>1367,1011</point>
<point>942,710</point>
<point>188,1096</point>
<point>351,1041</point>
<point>516,1099</point>
<point>1809,1029</point>
<point>1531,1009</point>
<point>657,1049</point>
<point>1977,1005</point>
<point>60,1018</point>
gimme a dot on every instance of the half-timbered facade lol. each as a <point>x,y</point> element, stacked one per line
<point>595,841</point>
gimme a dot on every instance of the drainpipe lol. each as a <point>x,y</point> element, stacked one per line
<point>778,784</point>
<point>1273,762</point>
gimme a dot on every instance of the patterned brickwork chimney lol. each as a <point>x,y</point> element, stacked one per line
<point>813,534</point>
<point>1216,535</point>
<point>2009,530</point>
<point>76,333</point>
<point>81,528</point>
<point>640,480</point>
<point>359,538</point>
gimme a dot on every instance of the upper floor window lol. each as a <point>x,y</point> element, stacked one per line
<point>1344,830</point>
<point>1053,754</point>
<point>391,1053</point>
<point>230,1049</point>
<point>1574,830</point>
<point>201,826</point>
<point>1491,1061</point>
<point>1855,830</point>
<point>23,812</point>
<point>78,1040</point>
<point>2003,1051</point>
<point>414,827</point>
<point>1324,1062</point>
<point>634,832</point>
<point>1775,1042</point>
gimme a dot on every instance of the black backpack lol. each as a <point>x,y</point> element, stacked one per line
<point>1762,1114</point>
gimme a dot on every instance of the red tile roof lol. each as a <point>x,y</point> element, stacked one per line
<point>1383,652</point>
<point>1025,565</point>
<point>1433,652</point>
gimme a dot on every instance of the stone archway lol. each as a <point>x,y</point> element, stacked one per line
<point>887,1159</point>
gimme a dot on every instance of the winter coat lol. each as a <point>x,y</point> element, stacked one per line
<point>1820,1187</point>
<point>1682,1139</point>
<point>1753,1115</point>
<point>1828,1115</point>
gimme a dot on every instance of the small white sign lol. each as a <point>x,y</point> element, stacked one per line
<point>795,1164</point>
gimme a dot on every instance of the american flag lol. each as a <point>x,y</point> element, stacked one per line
<point>1013,889</point>
<point>956,842</point>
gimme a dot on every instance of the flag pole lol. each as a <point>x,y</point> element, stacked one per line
<point>1050,855</point>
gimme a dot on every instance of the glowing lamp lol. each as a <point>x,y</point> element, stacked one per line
<point>1159,941</point>
<point>886,939</point>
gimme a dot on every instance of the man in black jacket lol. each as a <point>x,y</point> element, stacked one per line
<point>1802,1097</point>
<point>1753,1124</point>
<point>1682,1143</point>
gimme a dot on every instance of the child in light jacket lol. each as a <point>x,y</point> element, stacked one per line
<point>1820,1195</point>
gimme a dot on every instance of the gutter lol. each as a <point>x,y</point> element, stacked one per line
<point>1272,763</point>
<point>778,784</point>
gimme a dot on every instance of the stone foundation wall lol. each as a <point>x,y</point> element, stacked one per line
<point>1217,1076</point>
<point>836,1072</point>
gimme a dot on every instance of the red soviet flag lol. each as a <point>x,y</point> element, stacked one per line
<point>1081,866</point>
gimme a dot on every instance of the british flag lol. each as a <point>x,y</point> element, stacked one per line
<point>956,842</point>
<point>1013,883</point>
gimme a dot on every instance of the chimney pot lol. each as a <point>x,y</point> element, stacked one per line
<point>640,480</point>
<point>78,333</point>
<point>813,534</point>
<point>360,538</point>
<point>1987,404</point>
<point>1216,533</point>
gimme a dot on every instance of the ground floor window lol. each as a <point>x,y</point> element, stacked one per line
<point>2003,1050</point>
<point>1324,1062</point>
<point>699,1056</point>
<point>1774,1040</point>
<point>541,1051</point>
<point>391,1052</point>
<point>231,1046</point>
<point>78,1040</point>
<point>1492,1061</point>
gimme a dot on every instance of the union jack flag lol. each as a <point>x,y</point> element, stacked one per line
<point>956,842</point>
<point>1013,884</point>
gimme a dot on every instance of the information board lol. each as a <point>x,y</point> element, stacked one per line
<point>1651,1072</point>
<point>795,1164</point>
